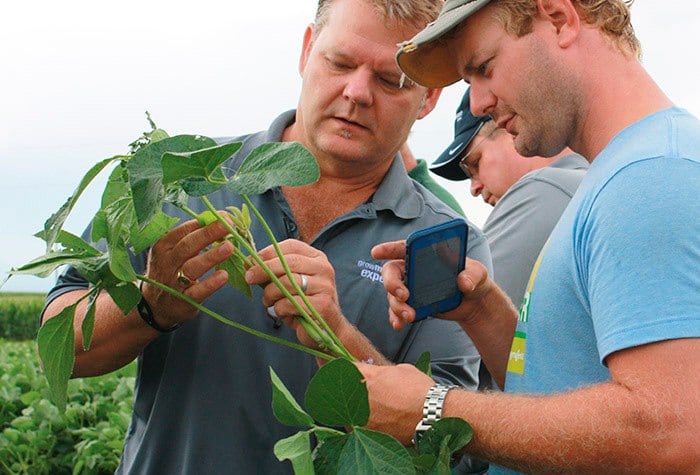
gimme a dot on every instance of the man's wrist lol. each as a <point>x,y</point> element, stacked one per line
<point>146,313</point>
<point>432,408</point>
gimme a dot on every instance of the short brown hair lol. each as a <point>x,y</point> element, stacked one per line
<point>416,12</point>
<point>612,17</point>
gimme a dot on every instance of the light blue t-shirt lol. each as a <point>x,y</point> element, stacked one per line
<point>622,267</point>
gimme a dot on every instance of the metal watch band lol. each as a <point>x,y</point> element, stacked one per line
<point>432,408</point>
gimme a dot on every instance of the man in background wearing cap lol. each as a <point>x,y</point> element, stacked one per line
<point>528,194</point>
<point>602,363</point>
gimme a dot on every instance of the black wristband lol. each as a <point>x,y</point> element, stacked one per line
<point>146,314</point>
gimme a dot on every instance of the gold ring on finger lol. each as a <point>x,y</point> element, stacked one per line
<point>183,280</point>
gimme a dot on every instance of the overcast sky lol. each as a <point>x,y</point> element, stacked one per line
<point>78,76</point>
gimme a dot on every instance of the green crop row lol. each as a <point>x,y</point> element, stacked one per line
<point>19,315</point>
<point>35,438</point>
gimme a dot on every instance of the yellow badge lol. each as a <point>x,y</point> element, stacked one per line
<point>516,362</point>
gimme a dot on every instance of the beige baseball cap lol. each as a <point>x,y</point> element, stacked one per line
<point>424,58</point>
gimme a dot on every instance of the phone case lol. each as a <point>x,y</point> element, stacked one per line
<point>434,258</point>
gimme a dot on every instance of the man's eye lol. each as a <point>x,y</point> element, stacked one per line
<point>338,66</point>
<point>483,68</point>
<point>391,82</point>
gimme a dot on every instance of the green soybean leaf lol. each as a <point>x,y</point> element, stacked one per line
<point>88,324</point>
<point>328,452</point>
<point>455,432</point>
<point>54,224</point>
<point>99,228</point>
<point>423,363</point>
<point>337,395</point>
<point>159,225</point>
<point>441,466</point>
<point>206,217</point>
<point>235,267</point>
<point>424,462</point>
<point>296,449</point>
<point>56,342</point>
<point>284,406</point>
<point>95,270</point>
<point>203,163</point>
<point>125,295</point>
<point>118,209</point>
<point>45,265</point>
<point>119,262</point>
<point>368,451</point>
<point>275,164</point>
<point>158,134</point>
<point>71,242</point>
<point>145,170</point>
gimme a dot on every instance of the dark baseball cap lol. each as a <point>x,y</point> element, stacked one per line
<point>466,127</point>
<point>424,58</point>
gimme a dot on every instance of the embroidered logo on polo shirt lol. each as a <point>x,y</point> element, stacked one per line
<point>370,271</point>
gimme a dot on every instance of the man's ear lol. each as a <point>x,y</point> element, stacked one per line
<point>429,102</point>
<point>563,17</point>
<point>306,47</point>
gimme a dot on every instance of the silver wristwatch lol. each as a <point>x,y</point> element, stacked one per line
<point>432,408</point>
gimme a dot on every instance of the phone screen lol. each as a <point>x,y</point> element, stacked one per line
<point>434,258</point>
<point>437,278</point>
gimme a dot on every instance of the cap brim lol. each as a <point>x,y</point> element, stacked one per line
<point>425,58</point>
<point>447,164</point>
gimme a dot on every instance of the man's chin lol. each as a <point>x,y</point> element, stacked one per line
<point>525,147</point>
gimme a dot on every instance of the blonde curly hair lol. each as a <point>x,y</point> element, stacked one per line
<point>612,17</point>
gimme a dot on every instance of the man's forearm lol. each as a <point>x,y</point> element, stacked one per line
<point>117,339</point>
<point>359,345</point>
<point>600,429</point>
<point>491,327</point>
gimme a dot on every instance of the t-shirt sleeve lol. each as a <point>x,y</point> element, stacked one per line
<point>640,255</point>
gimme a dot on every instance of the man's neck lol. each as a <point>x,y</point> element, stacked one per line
<point>316,205</point>
<point>621,95</point>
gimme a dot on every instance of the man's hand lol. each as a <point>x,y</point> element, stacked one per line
<point>303,260</point>
<point>177,258</point>
<point>396,397</point>
<point>473,282</point>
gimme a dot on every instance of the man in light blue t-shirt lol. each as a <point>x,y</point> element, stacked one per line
<point>601,365</point>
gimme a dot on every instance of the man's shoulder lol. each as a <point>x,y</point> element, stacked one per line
<point>545,183</point>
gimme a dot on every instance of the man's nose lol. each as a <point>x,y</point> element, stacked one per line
<point>358,89</point>
<point>481,100</point>
<point>475,187</point>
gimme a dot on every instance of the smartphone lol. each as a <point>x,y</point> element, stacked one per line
<point>434,258</point>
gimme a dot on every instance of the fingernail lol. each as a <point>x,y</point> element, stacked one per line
<point>472,285</point>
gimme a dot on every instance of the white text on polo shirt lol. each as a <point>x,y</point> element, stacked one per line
<point>370,271</point>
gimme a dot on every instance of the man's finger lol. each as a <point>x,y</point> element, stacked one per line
<point>390,250</point>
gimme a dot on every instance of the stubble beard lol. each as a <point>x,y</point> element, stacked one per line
<point>551,98</point>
